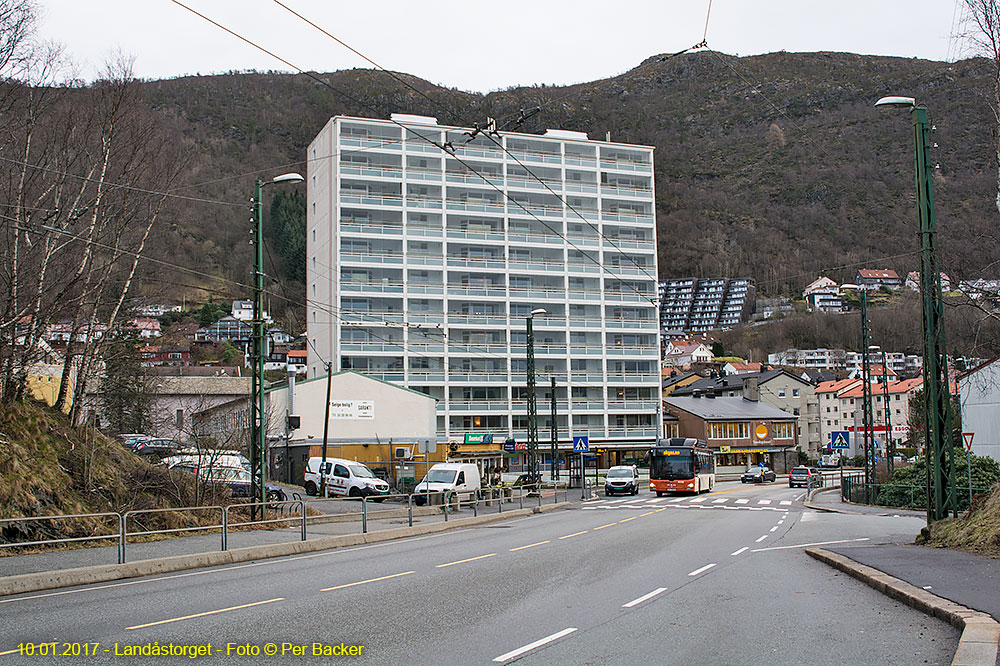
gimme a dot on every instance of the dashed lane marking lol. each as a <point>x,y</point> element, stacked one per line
<point>759,539</point>
<point>469,559</point>
<point>741,550</point>
<point>370,580</point>
<point>569,536</point>
<point>645,597</point>
<point>702,570</point>
<point>206,613</point>
<point>530,545</point>
<point>536,644</point>
<point>603,526</point>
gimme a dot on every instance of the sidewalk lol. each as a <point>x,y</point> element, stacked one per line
<point>926,577</point>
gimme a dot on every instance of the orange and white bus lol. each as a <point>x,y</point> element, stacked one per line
<point>681,465</point>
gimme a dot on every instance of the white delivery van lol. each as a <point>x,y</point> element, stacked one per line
<point>463,478</point>
<point>344,477</point>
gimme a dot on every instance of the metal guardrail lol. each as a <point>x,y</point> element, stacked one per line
<point>449,501</point>
<point>853,489</point>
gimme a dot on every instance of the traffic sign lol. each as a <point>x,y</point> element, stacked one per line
<point>581,443</point>
<point>510,446</point>
<point>840,439</point>
<point>967,436</point>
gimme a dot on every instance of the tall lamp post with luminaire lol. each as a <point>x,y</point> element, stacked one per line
<point>532,405</point>
<point>258,436</point>
<point>941,496</point>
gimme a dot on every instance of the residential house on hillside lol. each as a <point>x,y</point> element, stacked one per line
<point>823,295</point>
<point>683,354</point>
<point>147,327</point>
<point>775,387</point>
<point>152,355</point>
<point>737,368</point>
<point>979,397</point>
<point>297,360</point>
<point>874,279</point>
<point>675,380</point>
<point>818,359</point>
<point>228,328</point>
<point>243,310</point>
<point>913,281</point>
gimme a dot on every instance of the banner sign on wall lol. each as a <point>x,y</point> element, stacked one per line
<point>352,409</point>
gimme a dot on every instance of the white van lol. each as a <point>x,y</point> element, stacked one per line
<point>460,477</point>
<point>343,477</point>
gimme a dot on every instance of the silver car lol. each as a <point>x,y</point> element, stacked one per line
<point>623,479</point>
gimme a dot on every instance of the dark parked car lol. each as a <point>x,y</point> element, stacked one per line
<point>155,448</point>
<point>804,476</point>
<point>237,478</point>
<point>758,475</point>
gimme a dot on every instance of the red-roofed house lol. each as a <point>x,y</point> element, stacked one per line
<point>740,368</point>
<point>841,405</point>
<point>874,279</point>
<point>297,360</point>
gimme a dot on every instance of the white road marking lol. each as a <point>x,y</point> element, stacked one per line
<point>807,545</point>
<point>763,501</point>
<point>654,501</point>
<point>927,587</point>
<point>619,501</point>
<point>645,597</point>
<point>741,550</point>
<point>781,522</point>
<point>759,539</point>
<point>702,570</point>
<point>785,502</point>
<point>537,644</point>
<point>774,528</point>
<point>675,501</point>
<point>799,498</point>
<point>809,517</point>
<point>698,500</point>
<point>721,500</point>
<point>742,501</point>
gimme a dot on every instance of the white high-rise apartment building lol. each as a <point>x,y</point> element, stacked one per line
<point>424,261</point>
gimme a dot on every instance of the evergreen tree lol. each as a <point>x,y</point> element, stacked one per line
<point>288,232</point>
<point>126,403</point>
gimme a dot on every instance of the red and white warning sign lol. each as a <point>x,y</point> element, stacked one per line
<point>967,436</point>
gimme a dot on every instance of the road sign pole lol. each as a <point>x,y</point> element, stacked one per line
<point>583,479</point>
<point>967,436</point>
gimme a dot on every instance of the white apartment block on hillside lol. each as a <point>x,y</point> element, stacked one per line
<point>425,260</point>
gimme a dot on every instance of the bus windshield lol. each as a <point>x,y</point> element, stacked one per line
<point>672,465</point>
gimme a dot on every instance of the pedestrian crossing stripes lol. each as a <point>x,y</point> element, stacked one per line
<point>696,502</point>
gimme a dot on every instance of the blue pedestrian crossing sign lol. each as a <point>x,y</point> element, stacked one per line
<point>840,439</point>
<point>581,443</point>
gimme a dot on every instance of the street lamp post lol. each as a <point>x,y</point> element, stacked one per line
<point>258,436</point>
<point>937,415</point>
<point>532,406</point>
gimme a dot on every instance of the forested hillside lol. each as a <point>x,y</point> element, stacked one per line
<point>775,166</point>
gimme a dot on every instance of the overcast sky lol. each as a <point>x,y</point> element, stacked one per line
<point>483,46</point>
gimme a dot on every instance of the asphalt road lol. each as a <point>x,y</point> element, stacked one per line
<point>716,579</point>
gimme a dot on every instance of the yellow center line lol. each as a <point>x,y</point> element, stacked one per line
<point>370,580</point>
<point>648,513</point>
<point>603,526</point>
<point>530,545</point>
<point>625,520</point>
<point>221,610</point>
<point>573,534</point>
<point>471,559</point>
<point>11,651</point>
<point>659,510</point>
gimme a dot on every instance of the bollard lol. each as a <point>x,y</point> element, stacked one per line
<point>475,505</point>
<point>520,497</point>
<point>121,539</point>
<point>364,514</point>
<point>225,527</point>
<point>409,509</point>
<point>539,494</point>
<point>302,508</point>
<point>500,503</point>
<point>445,505</point>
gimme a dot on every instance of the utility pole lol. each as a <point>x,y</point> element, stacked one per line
<point>532,406</point>
<point>867,422</point>
<point>941,494</point>
<point>258,441</point>
<point>890,445</point>
<point>326,430</point>
<point>258,436</point>
<point>554,466</point>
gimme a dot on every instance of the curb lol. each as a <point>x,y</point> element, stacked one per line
<point>980,639</point>
<point>103,573</point>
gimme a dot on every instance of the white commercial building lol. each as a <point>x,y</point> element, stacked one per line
<point>429,246</point>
